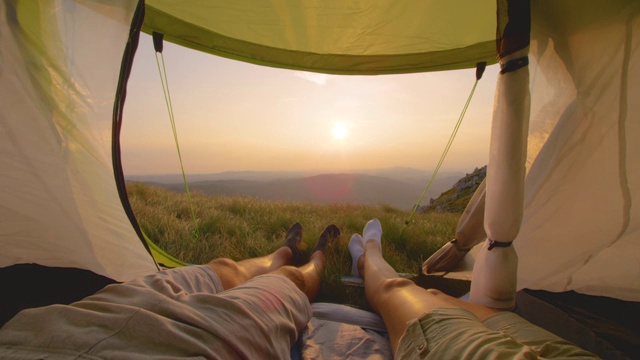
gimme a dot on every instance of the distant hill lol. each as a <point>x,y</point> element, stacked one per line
<point>396,173</point>
<point>397,187</point>
<point>228,175</point>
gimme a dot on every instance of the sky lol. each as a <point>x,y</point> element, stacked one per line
<point>235,116</point>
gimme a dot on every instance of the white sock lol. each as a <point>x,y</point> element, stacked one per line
<point>356,248</point>
<point>373,231</point>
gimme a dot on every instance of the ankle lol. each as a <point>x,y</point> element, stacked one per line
<point>372,244</point>
<point>360,265</point>
<point>318,258</point>
<point>282,256</point>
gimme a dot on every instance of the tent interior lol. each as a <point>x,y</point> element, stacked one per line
<point>563,174</point>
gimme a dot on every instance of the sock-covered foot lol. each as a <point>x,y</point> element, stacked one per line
<point>330,233</point>
<point>356,248</point>
<point>293,239</point>
<point>373,231</point>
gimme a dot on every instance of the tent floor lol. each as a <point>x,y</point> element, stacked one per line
<point>605,326</point>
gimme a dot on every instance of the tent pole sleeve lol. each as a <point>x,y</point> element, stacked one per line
<point>118,109</point>
<point>494,278</point>
<point>495,269</point>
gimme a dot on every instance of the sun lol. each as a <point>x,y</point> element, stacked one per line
<point>339,131</point>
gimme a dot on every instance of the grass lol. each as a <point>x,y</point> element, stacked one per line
<point>240,228</point>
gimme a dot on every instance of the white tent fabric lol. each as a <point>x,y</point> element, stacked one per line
<point>59,205</point>
<point>581,226</point>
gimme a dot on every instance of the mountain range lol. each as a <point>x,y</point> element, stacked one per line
<point>399,187</point>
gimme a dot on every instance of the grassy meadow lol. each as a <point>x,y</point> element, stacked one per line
<point>240,228</point>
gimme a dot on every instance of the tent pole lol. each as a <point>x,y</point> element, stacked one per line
<point>118,109</point>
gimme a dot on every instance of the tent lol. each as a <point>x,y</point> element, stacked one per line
<point>563,172</point>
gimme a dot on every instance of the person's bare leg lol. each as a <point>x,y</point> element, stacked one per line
<point>233,273</point>
<point>400,300</point>
<point>307,277</point>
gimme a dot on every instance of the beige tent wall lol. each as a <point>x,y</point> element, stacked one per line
<point>581,227</point>
<point>59,66</point>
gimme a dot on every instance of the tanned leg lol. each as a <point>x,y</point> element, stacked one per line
<point>400,300</point>
<point>307,277</point>
<point>233,273</point>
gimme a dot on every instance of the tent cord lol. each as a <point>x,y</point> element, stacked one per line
<point>167,96</point>
<point>479,72</point>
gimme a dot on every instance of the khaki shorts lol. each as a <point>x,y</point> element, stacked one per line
<point>171,314</point>
<point>454,333</point>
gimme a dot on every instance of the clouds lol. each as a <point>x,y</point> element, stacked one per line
<point>316,78</point>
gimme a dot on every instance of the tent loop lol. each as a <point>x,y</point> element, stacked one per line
<point>493,243</point>
<point>480,67</point>
<point>514,64</point>
<point>157,44</point>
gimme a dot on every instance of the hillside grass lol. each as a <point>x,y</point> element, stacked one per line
<point>452,200</point>
<point>240,228</point>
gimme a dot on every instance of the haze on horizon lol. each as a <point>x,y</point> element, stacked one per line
<point>235,116</point>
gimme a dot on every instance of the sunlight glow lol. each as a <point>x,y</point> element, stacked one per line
<point>339,131</point>
<point>315,122</point>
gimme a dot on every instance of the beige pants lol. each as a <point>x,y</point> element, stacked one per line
<point>171,314</point>
<point>454,333</point>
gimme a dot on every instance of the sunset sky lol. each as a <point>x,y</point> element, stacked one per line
<point>234,116</point>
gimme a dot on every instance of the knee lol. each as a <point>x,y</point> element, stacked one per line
<point>294,274</point>
<point>224,264</point>
<point>387,291</point>
<point>230,273</point>
<point>436,292</point>
<point>391,286</point>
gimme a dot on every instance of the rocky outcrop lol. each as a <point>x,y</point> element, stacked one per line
<point>456,198</point>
